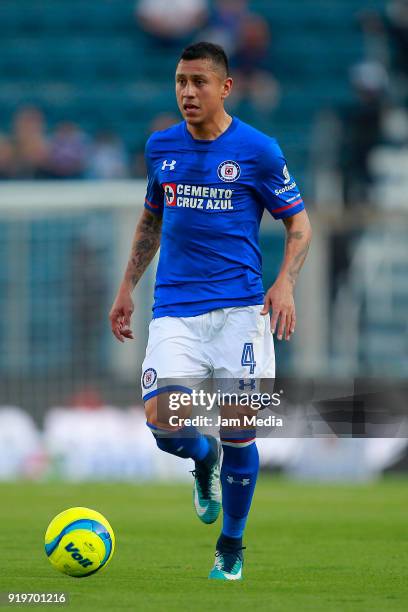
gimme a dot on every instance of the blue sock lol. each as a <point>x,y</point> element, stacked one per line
<point>238,478</point>
<point>187,442</point>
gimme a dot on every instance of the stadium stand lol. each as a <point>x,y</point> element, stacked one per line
<point>88,62</point>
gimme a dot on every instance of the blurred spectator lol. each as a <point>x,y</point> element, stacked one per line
<point>253,79</point>
<point>376,47</point>
<point>108,158</point>
<point>225,23</point>
<point>8,166</point>
<point>86,398</point>
<point>246,38</point>
<point>30,143</point>
<point>171,22</point>
<point>69,151</point>
<point>361,123</point>
<point>397,25</point>
<point>252,45</point>
<point>160,122</point>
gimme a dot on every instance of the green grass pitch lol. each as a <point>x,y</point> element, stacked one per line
<point>309,547</point>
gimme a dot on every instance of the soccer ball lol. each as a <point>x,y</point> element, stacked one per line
<point>79,542</point>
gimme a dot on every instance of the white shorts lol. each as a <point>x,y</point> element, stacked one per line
<point>224,343</point>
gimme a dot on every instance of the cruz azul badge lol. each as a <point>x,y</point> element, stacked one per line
<point>229,171</point>
<point>149,378</point>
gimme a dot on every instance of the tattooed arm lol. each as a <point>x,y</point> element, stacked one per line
<point>279,298</point>
<point>146,242</point>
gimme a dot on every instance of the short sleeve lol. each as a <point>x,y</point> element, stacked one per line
<point>154,191</point>
<point>277,188</point>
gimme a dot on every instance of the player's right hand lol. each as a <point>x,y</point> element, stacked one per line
<point>120,315</point>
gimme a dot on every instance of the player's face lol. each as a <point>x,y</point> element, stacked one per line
<point>201,89</point>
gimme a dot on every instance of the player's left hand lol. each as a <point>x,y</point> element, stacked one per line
<point>279,299</point>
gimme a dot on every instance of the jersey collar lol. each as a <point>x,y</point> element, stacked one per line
<point>207,143</point>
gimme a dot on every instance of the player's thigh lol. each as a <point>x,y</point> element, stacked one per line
<point>172,363</point>
<point>245,348</point>
<point>245,360</point>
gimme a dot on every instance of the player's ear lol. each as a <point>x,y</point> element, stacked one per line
<point>227,87</point>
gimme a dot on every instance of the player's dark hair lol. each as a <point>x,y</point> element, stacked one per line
<point>207,50</point>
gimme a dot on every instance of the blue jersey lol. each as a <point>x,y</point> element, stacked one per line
<point>212,195</point>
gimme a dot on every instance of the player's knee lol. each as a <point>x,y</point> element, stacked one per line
<point>157,413</point>
<point>160,413</point>
<point>151,411</point>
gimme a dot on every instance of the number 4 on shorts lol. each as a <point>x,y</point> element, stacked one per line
<point>248,357</point>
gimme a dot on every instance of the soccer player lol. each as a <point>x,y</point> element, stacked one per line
<point>210,178</point>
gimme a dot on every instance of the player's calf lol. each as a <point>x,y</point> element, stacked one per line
<point>188,442</point>
<point>207,486</point>
<point>238,477</point>
<point>185,442</point>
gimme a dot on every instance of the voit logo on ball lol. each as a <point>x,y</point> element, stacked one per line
<point>229,171</point>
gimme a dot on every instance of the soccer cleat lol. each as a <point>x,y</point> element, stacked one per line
<point>207,486</point>
<point>227,565</point>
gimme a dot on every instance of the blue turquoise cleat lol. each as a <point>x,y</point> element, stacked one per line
<point>207,487</point>
<point>227,565</point>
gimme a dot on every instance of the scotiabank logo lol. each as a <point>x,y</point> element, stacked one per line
<point>170,193</point>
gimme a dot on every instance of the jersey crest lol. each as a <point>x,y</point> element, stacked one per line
<point>229,171</point>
